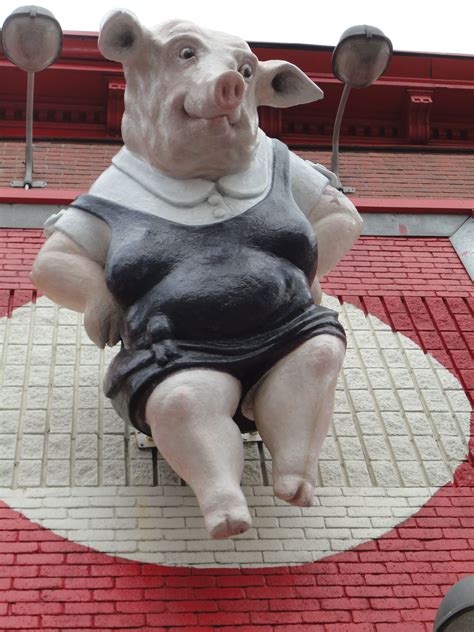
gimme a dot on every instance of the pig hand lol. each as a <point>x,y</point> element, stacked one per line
<point>103,319</point>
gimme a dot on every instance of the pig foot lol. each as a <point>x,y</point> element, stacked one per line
<point>190,417</point>
<point>293,407</point>
<point>227,515</point>
<point>294,490</point>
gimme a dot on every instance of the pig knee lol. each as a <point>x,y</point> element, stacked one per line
<point>192,395</point>
<point>323,355</point>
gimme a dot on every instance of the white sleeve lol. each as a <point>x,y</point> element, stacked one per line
<point>88,231</point>
<point>307,183</point>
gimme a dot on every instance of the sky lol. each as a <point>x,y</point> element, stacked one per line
<point>412,25</point>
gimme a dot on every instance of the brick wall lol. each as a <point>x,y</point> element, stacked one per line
<point>374,174</point>
<point>392,583</point>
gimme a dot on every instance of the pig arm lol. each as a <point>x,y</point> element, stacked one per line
<point>68,276</point>
<point>337,225</point>
<point>335,220</point>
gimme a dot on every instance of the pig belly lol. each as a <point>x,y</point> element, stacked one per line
<point>232,298</point>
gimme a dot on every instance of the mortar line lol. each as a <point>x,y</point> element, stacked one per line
<point>52,368</point>
<point>75,400</point>
<point>399,401</point>
<point>360,434</point>
<point>340,455</point>
<point>451,410</point>
<point>24,394</point>
<point>428,355</point>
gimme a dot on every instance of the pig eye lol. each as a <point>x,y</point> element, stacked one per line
<point>246,71</point>
<point>187,53</point>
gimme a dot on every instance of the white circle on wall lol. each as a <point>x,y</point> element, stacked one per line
<point>67,462</point>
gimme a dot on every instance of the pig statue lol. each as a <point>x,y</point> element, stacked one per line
<point>200,250</point>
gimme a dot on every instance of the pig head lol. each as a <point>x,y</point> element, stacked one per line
<point>192,94</point>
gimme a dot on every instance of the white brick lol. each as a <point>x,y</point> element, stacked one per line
<point>114,472</point>
<point>29,473</point>
<point>160,546</point>
<point>91,512</point>
<point>349,522</point>
<point>258,545</point>
<point>282,534</point>
<point>6,472</point>
<point>213,545</point>
<point>240,557</point>
<point>287,557</point>
<point>65,525</point>
<point>303,522</point>
<point>113,547</point>
<point>186,558</point>
<point>316,544</point>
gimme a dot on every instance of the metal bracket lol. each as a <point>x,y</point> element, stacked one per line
<point>145,442</point>
<point>21,184</point>
<point>348,189</point>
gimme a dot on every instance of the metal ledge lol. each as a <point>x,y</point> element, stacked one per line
<point>463,244</point>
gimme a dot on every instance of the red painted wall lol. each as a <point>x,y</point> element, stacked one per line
<point>394,584</point>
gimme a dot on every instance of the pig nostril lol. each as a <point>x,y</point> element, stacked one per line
<point>229,90</point>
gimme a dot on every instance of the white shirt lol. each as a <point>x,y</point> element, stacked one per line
<point>134,183</point>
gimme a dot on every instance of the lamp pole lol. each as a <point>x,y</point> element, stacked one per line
<point>360,58</point>
<point>32,40</point>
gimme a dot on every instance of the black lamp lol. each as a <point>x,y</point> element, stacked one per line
<point>32,40</point>
<point>456,612</point>
<point>360,58</point>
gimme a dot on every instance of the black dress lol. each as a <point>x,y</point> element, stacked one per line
<point>233,296</point>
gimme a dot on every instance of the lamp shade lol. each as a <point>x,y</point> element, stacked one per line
<point>32,38</point>
<point>456,612</point>
<point>361,56</point>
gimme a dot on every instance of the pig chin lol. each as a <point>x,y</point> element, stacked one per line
<point>206,147</point>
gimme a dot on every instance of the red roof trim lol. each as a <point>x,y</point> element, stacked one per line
<point>363,204</point>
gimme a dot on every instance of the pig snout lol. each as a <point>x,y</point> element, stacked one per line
<point>229,91</point>
<point>219,97</point>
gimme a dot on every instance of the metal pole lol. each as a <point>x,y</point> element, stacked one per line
<point>337,130</point>
<point>28,182</point>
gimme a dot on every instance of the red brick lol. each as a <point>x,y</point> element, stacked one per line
<point>192,606</point>
<point>19,595</point>
<point>173,618</point>
<point>140,581</point>
<point>15,622</point>
<point>286,605</point>
<point>118,594</point>
<point>190,581</point>
<point>68,621</point>
<point>377,616</point>
<point>327,616</point>
<point>30,583</point>
<point>119,620</point>
<point>66,595</point>
<point>89,607</point>
<point>32,608</point>
<point>140,606</point>
<point>241,580</point>
<point>235,605</point>
<point>276,617</point>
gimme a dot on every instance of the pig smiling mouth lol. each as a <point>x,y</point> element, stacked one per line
<point>232,117</point>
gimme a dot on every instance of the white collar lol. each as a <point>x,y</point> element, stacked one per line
<point>187,193</point>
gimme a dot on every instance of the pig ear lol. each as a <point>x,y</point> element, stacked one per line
<point>121,36</point>
<point>282,85</point>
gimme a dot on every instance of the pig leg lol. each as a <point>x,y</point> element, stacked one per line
<point>293,408</point>
<point>190,416</point>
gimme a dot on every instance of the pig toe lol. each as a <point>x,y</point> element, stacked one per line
<point>228,517</point>
<point>294,490</point>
